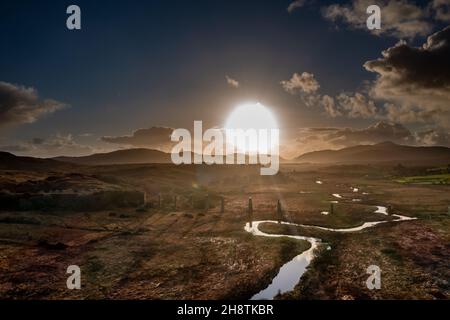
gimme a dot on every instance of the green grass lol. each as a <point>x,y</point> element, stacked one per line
<point>431,179</point>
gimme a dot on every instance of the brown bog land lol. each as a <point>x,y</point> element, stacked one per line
<point>158,250</point>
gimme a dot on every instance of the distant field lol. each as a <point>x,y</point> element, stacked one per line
<point>431,179</point>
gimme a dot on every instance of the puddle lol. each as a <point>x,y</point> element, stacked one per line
<point>381,209</point>
<point>337,195</point>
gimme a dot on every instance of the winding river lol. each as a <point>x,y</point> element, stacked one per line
<point>291,272</point>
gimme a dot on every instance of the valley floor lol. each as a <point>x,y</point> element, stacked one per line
<point>194,253</point>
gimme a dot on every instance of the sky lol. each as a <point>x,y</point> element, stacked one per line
<point>138,69</point>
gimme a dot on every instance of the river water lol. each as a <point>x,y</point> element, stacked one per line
<point>291,272</point>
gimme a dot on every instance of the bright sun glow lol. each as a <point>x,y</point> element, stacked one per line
<point>252,116</point>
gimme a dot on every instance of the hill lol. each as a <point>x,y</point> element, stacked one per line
<point>381,152</point>
<point>128,156</point>
<point>8,161</point>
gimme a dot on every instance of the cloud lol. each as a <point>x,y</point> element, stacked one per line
<point>296,4</point>
<point>415,81</point>
<point>56,145</point>
<point>412,86</point>
<point>356,106</point>
<point>19,105</point>
<point>433,137</point>
<point>330,107</point>
<point>400,18</point>
<point>441,9</point>
<point>154,137</point>
<point>304,83</point>
<point>231,82</point>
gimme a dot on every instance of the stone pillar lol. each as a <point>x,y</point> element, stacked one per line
<point>250,211</point>
<point>279,211</point>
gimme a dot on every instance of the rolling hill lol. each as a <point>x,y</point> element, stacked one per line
<point>378,153</point>
<point>8,161</point>
<point>128,156</point>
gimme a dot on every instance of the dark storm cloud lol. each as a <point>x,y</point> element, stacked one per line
<point>154,137</point>
<point>441,9</point>
<point>19,104</point>
<point>415,79</point>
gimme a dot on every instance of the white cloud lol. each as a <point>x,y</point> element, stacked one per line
<point>305,83</point>
<point>296,4</point>
<point>400,18</point>
<point>232,82</point>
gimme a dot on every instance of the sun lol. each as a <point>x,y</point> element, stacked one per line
<point>252,116</point>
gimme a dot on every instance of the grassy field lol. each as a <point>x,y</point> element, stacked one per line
<point>426,179</point>
<point>191,252</point>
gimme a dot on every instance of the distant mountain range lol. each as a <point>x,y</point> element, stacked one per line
<point>385,152</point>
<point>8,161</point>
<point>127,156</point>
<point>377,153</point>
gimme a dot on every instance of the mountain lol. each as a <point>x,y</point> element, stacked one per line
<point>128,156</point>
<point>8,161</point>
<point>381,152</point>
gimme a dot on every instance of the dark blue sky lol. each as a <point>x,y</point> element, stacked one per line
<point>138,64</point>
